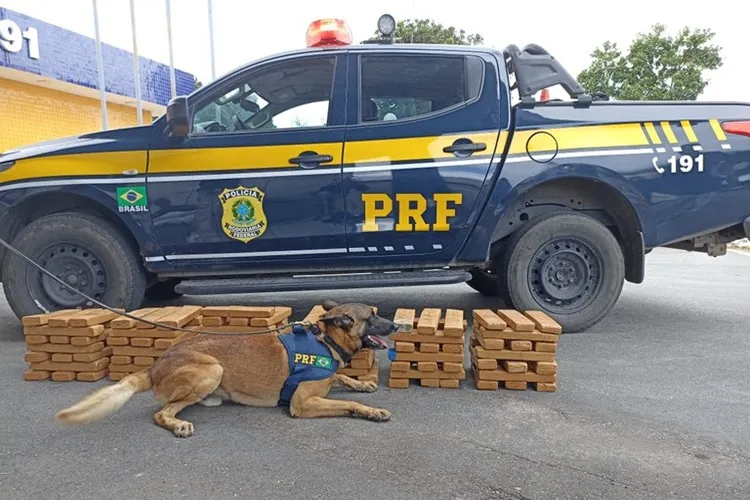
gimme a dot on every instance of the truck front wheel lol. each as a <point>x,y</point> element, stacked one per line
<point>568,265</point>
<point>84,251</point>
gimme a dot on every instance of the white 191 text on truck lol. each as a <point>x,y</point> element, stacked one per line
<point>680,163</point>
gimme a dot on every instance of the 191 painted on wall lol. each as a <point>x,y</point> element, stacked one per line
<point>12,38</point>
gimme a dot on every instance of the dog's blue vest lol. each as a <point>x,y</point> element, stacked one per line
<point>309,359</point>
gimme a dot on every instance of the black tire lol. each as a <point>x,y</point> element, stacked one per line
<point>489,283</point>
<point>86,251</point>
<point>568,265</point>
<point>162,291</point>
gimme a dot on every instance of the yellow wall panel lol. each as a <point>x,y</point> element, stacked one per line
<point>30,114</point>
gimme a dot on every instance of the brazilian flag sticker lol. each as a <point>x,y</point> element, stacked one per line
<point>324,362</point>
<point>132,199</point>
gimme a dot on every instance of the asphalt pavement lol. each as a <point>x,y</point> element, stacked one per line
<point>652,403</point>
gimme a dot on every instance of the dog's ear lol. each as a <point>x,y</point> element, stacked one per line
<point>329,304</point>
<point>344,321</point>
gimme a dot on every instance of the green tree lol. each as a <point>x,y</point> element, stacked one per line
<point>197,83</point>
<point>656,66</point>
<point>428,31</point>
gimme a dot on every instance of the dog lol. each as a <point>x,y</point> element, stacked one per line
<point>297,369</point>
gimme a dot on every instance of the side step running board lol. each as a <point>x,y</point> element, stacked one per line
<point>321,282</point>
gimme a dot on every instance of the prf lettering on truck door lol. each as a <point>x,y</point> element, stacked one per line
<point>411,209</point>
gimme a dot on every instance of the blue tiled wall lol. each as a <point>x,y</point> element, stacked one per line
<point>70,57</point>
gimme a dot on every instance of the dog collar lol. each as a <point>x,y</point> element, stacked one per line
<point>345,356</point>
<point>301,330</point>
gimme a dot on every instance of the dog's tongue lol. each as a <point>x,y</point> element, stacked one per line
<point>377,340</point>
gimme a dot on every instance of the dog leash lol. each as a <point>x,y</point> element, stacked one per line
<point>142,320</point>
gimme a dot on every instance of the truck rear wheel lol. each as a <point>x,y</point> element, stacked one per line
<point>568,265</point>
<point>84,251</point>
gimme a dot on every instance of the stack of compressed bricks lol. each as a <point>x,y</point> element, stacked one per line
<point>514,348</point>
<point>433,352</point>
<point>244,319</point>
<point>68,345</point>
<point>363,365</point>
<point>136,344</point>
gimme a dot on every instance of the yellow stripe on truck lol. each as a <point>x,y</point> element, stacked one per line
<point>689,132</point>
<point>716,126</point>
<point>652,134</point>
<point>236,158</point>
<point>412,148</point>
<point>583,137</point>
<point>271,157</point>
<point>77,165</point>
<point>227,159</point>
<point>667,128</point>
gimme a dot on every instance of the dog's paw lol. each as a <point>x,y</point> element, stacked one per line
<point>183,429</point>
<point>368,387</point>
<point>379,415</point>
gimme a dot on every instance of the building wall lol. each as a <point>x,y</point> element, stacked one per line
<point>69,57</point>
<point>30,114</point>
<point>49,80</point>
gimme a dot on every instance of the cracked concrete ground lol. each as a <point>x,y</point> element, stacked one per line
<point>652,404</point>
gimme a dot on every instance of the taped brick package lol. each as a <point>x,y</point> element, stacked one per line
<point>244,319</point>
<point>433,352</point>
<point>363,366</point>
<point>136,345</point>
<point>68,345</point>
<point>514,349</point>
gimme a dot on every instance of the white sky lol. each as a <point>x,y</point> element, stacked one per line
<point>246,29</point>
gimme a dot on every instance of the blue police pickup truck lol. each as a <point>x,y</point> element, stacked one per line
<point>378,165</point>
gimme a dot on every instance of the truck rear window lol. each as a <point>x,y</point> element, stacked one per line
<point>403,86</point>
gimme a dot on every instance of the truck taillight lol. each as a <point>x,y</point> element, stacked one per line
<point>328,32</point>
<point>739,128</point>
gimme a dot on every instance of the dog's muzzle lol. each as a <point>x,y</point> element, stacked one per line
<point>378,327</point>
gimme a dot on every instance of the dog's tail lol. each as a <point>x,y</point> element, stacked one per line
<point>106,400</point>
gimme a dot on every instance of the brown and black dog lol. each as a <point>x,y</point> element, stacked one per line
<point>250,370</point>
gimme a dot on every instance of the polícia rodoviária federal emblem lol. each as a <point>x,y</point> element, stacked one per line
<point>242,216</point>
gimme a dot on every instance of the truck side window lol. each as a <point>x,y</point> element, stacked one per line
<point>403,86</point>
<point>290,94</point>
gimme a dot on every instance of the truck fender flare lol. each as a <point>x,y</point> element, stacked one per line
<point>137,226</point>
<point>591,189</point>
<point>567,176</point>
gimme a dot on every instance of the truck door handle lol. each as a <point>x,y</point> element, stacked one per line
<point>310,159</point>
<point>464,147</point>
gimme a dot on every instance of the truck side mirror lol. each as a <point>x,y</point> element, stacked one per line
<point>177,116</point>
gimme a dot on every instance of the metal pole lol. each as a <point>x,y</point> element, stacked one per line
<point>136,69</point>
<point>100,68</point>
<point>413,12</point>
<point>172,78</point>
<point>211,37</point>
